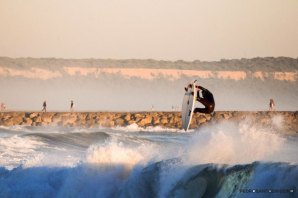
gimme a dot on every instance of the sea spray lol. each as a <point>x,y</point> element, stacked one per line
<point>233,143</point>
<point>277,121</point>
<point>113,153</point>
<point>16,150</point>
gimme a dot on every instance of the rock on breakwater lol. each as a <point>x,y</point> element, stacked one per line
<point>288,121</point>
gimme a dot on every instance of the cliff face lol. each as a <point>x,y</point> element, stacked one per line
<point>136,85</point>
<point>286,122</point>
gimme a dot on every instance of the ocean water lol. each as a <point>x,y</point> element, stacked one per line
<point>225,160</point>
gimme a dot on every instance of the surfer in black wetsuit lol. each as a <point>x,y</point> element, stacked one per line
<point>207,100</point>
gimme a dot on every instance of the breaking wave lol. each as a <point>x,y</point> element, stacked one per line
<point>224,160</point>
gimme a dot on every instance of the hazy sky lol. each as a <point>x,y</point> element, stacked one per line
<point>158,29</point>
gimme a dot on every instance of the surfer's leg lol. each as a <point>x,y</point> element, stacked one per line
<point>200,110</point>
<point>207,104</point>
<point>203,110</point>
<point>203,101</point>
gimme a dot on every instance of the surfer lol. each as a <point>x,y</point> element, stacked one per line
<point>207,99</point>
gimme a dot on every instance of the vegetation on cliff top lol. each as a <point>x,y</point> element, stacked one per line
<point>255,64</point>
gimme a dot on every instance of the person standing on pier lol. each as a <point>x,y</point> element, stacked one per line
<point>71,106</point>
<point>271,105</point>
<point>44,106</point>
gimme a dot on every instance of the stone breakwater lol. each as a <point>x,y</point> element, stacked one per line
<point>285,121</point>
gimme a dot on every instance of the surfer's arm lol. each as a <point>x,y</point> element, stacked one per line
<point>188,86</point>
<point>201,88</point>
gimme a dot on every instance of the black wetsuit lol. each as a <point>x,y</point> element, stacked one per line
<point>207,100</point>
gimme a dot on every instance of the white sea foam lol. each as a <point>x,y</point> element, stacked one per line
<point>228,142</point>
<point>15,150</point>
<point>31,151</point>
<point>277,121</point>
<point>135,128</point>
<point>114,152</point>
<point>232,143</point>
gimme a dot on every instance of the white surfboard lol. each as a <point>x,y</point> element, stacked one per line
<point>188,105</point>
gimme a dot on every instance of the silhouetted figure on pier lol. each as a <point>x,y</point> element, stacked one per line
<point>44,106</point>
<point>271,105</point>
<point>71,106</point>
